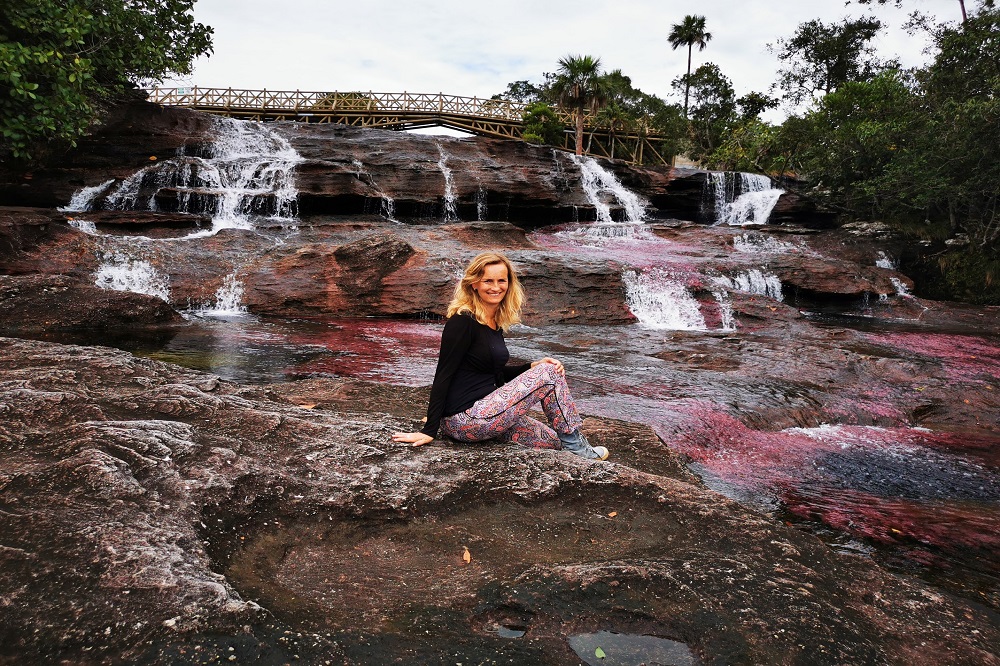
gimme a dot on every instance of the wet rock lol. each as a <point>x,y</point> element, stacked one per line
<point>196,519</point>
<point>351,171</point>
<point>33,303</point>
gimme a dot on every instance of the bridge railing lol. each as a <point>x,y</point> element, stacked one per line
<point>482,116</point>
<point>301,101</point>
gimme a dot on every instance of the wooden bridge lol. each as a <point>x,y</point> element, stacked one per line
<point>402,111</point>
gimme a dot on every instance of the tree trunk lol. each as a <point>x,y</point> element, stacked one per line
<point>965,17</point>
<point>687,81</point>
<point>579,131</point>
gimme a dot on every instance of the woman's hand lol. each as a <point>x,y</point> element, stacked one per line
<point>414,438</point>
<point>559,366</point>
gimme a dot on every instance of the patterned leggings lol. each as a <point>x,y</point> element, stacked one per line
<point>503,414</point>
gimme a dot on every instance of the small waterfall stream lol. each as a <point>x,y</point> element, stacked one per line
<point>450,205</point>
<point>658,300</point>
<point>121,271</point>
<point>740,198</point>
<point>600,185</point>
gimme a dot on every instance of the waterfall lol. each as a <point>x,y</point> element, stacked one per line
<point>728,321</point>
<point>450,208</point>
<point>228,299</point>
<point>600,184</point>
<point>900,287</point>
<point>760,244</point>
<point>741,198</point>
<point>83,199</point>
<point>387,207</point>
<point>658,301</point>
<point>246,172</point>
<point>121,272</point>
<point>482,210</point>
<point>86,226</point>
<point>884,261</point>
<point>754,281</point>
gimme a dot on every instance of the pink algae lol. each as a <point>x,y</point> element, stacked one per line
<point>965,358</point>
<point>399,352</point>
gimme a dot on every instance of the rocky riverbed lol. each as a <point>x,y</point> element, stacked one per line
<point>804,466</point>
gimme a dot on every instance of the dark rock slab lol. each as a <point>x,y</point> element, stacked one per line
<point>156,515</point>
<point>39,303</point>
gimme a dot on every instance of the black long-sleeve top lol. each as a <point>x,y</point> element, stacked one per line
<point>472,364</point>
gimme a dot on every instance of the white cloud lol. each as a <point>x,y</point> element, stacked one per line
<point>476,48</point>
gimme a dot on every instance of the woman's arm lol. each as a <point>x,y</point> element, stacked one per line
<point>511,371</point>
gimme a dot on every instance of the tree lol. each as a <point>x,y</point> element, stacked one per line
<point>689,32</point>
<point>61,60</point>
<point>579,86</point>
<point>899,3</point>
<point>754,103</point>
<point>541,124</point>
<point>713,107</point>
<point>820,57</point>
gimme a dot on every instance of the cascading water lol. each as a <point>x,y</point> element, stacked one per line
<point>659,301</point>
<point>83,199</point>
<point>387,207</point>
<point>728,320</point>
<point>482,210</point>
<point>760,244</point>
<point>121,272</point>
<point>246,172</point>
<point>754,281</point>
<point>884,261</point>
<point>450,207</point>
<point>228,299</point>
<point>86,226</point>
<point>741,198</point>
<point>600,184</point>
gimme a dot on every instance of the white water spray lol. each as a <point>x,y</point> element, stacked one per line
<point>86,226</point>
<point>760,244</point>
<point>228,299</point>
<point>884,261</point>
<point>482,210</point>
<point>741,198</point>
<point>754,281</point>
<point>900,287</point>
<point>450,207</point>
<point>659,301</point>
<point>387,206</point>
<point>601,185</point>
<point>247,173</point>
<point>83,199</point>
<point>123,273</point>
<point>728,322</point>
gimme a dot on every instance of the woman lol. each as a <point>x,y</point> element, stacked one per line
<point>476,395</point>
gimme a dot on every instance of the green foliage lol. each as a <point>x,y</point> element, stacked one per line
<point>713,108</point>
<point>921,148</point>
<point>689,32</point>
<point>821,57</point>
<point>542,125</point>
<point>61,59</point>
<point>580,87</point>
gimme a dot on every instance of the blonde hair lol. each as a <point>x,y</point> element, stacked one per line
<point>467,300</point>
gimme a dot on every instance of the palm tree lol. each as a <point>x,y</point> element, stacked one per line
<point>690,31</point>
<point>579,86</point>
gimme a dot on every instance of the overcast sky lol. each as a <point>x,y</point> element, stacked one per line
<point>474,47</point>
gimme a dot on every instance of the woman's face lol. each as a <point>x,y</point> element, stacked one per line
<point>492,286</point>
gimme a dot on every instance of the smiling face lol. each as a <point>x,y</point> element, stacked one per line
<point>492,286</point>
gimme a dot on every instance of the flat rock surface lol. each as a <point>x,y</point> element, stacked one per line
<point>164,516</point>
